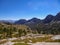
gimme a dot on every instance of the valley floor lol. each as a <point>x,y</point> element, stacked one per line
<point>34,40</point>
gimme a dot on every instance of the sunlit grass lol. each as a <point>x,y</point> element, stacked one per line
<point>53,40</point>
<point>33,40</point>
<point>20,44</point>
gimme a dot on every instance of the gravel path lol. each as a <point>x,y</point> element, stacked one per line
<point>8,43</point>
<point>46,43</point>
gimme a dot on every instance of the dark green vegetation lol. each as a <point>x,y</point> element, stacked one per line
<point>9,31</point>
<point>51,28</point>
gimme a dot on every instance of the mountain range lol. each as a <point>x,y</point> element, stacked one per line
<point>49,25</point>
<point>48,19</point>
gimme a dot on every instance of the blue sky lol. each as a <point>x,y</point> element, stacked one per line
<point>27,9</point>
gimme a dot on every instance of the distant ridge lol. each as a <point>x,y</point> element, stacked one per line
<point>48,19</point>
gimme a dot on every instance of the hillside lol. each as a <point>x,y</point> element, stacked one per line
<point>49,25</point>
<point>13,30</point>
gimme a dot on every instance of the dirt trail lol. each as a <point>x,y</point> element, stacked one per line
<point>46,43</point>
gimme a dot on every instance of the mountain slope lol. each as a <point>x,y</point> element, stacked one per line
<point>48,19</point>
<point>57,17</point>
<point>21,21</point>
